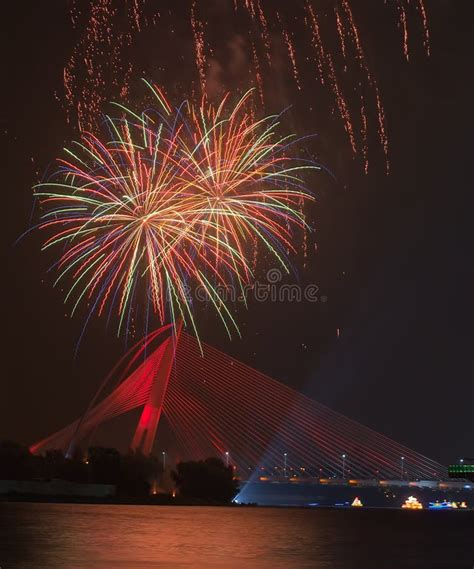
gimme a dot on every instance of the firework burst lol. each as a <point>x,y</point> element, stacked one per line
<point>169,200</point>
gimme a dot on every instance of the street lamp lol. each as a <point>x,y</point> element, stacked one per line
<point>227,458</point>
<point>285,458</point>
<point>163,454</point>
<point>461,460</point>
<point>402,461</point>
<point>343,466</point>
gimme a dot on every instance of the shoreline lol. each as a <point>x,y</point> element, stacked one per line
<point>166,500</point>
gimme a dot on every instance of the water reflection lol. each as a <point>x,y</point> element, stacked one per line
<point>64,536</point>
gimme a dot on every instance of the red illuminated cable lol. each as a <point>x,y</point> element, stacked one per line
<point>386,441</point>
<point>260,408</point>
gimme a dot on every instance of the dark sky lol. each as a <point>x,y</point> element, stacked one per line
<point>394,253</point>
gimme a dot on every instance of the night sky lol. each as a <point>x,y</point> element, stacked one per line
<point>394,252</point>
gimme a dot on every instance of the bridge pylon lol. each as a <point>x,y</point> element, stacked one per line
<point>145,432</point>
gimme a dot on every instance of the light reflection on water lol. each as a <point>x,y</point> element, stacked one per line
<point>70,536</point>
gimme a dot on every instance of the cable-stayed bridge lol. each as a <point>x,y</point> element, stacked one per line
<point>217,405</point>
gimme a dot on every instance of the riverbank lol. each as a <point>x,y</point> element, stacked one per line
<point>156,499</point>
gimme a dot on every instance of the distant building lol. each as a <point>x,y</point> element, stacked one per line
<point>465,469</point>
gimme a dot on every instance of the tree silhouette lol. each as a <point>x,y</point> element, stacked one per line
<point>209,480</point>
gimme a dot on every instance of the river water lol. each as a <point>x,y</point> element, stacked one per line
<point>71,536</point>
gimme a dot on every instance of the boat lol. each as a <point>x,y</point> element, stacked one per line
<point>411,503</point>
<point>447,505</point>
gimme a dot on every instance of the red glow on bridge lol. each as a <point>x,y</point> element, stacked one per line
<point>216,404</point>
